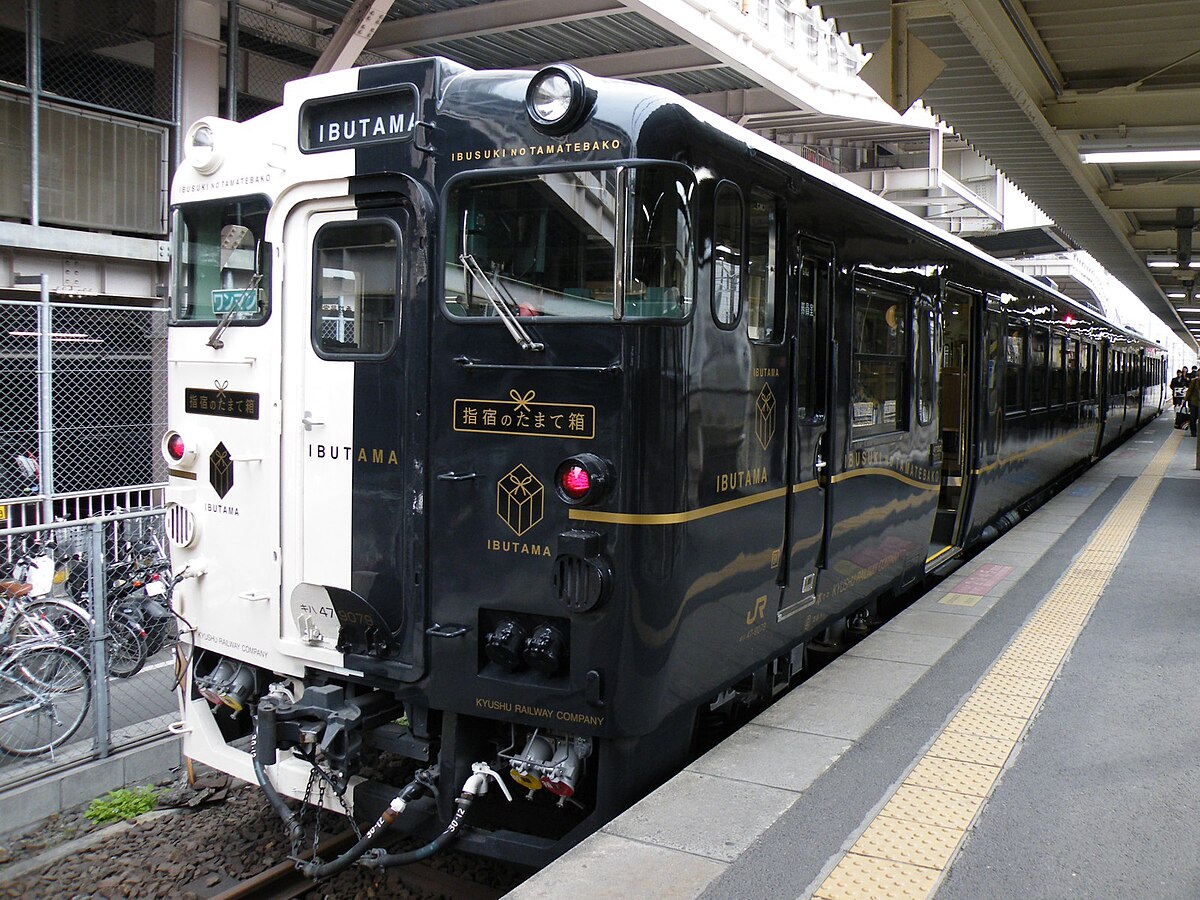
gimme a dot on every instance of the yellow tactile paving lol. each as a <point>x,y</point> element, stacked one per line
<point>996,704</point>
<point>985,725</point>
<point>1018,687</point>
<point>858,877</point>
<point>903,841</point>
<point>904,851</point>
<point>932,806</point>
<point>1016,667</point>
<point>974,748</point>
<point>953,775</point>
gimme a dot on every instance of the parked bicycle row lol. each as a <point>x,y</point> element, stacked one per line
<point>51,622</point>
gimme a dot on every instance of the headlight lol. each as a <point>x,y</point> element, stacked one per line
<point>558,99</point>
<point>200,148</point>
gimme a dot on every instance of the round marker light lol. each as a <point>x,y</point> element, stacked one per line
<point>576,482</point>
<point>200,148</point>
<point>177,451</point>
<point>583,479</point>
<point>558,99</point>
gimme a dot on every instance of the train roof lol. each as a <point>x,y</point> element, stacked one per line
<point>455,75</point>
<point>844,185</point>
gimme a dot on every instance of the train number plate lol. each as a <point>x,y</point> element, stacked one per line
<point>522,414</point>
<point>219,402</point>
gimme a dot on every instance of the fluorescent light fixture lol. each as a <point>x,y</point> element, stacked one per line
<point>1169,262</point>
<point>1113,157</point>
<point>1188,309</point>
<point>1176,295</point>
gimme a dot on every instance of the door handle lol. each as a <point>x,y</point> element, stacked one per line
<point>308,422</point>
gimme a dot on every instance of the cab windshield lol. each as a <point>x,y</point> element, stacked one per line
<point>221,262</point>
<point>548,244</point>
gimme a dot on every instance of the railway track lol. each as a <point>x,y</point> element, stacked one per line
<point>284,882</point>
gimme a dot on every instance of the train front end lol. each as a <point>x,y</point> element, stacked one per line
<point>396,419</point>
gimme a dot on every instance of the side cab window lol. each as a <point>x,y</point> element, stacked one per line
<point>728,258</point>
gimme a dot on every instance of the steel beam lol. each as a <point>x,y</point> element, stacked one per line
<point>356,29</point>
<point>642,63</point>
<point>1132,198</point>
<point>1156,241</point>
<point>486,18</point>
<point>1125,109</point>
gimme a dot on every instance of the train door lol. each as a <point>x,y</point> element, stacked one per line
<point>810,284</point>
<point>956,358</point>
<point>350,327</point>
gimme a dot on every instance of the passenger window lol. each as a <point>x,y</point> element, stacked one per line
<point>1038,341</point>
<point>1072,370</point>
<point>880,348</point>
<point>1014,367</point>
<point>1058,375</point>
<point>995,351</point>
<point>762,319</point>
<point>810,348</point>
<point>925,362</point>
<point>727,255</point>
<point>356,309</point>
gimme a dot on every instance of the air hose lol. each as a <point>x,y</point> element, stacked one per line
<point>318,870</point>
<point>439,843</point>
<point>290,820</point>
<point>264,748</point>
<point>474,787</point>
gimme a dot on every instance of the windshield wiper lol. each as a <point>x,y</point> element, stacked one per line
<point>511,322</point>
<point>214,339</point>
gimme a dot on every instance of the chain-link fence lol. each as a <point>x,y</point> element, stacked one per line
<point>115,55</point>
<point>88,667</point>
<point>100,80</point>
<point>271,53</point>
<point>82,400</point>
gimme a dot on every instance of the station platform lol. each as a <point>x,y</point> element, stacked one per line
<point>1027,729</point>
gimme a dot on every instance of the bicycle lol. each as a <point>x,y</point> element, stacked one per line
<point>126,643</point>
<point>45,694</point>
<point>45,686</point>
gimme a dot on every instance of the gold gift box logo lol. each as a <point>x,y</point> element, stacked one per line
<point>520,500</point>
<point>766,416</point>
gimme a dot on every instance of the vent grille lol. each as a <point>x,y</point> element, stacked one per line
<point>580,582</point>
<point>181,525</point>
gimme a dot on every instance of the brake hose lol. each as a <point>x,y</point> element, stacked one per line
<point>318,870</point>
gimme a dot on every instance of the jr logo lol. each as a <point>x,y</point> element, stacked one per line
<point>758,611</point>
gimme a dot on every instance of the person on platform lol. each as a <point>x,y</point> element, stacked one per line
<point>1178,385</point>
<point>1191,400</point>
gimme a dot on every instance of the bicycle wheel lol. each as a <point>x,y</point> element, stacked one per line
<point>73,625</point>
<point>127,649</point>
<point>45,694</point>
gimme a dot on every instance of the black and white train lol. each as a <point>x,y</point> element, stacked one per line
<point>521,424</point>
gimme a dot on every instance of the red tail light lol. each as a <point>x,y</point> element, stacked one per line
<point>583,480</point>
<point>176,450</point>
<point>575,482</point>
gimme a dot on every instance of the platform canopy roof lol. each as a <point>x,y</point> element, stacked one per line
<point>1030,85</point>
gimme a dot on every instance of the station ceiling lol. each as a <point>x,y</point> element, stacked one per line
<point>1030,85</point>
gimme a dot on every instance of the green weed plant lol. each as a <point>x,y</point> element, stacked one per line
<point>121,805</point>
